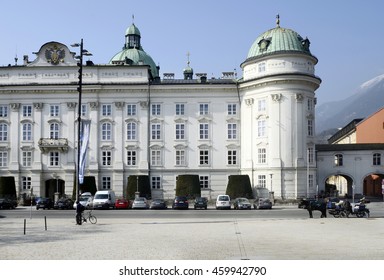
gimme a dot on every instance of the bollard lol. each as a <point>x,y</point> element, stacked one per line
<point>25,225</point>
<point>45,222</point>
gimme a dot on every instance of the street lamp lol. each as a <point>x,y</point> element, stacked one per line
<point>79,89</point>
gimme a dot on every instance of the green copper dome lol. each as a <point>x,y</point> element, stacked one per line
<point>133,53</point>
<point>278,40</point>
<point>132,30</point>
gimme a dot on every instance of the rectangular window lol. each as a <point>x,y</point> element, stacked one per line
<point>26,158</point>
<point>156,131</point>
<point>131,157</point>
<point>232,109</point>
<point>156,109</point>
<point>180,157</point>
<point>180,131</point>
<point>310,155</point>
<point>232,157</point>
<point>203,109</point>
<point>310,181</point>
<point>131,109</point>
<point>106,182</point>
<point>338,160</point>
<point>204,182</point>
<point>3,159</point>
<point>310,103</point>
<point>156,157</point>
<point>180,109</point>
<point>106,110</point>
<point>204,131</point>
<point>261,181</point>
<point>106,131</point>
<point>204,157</point>
<point>261,67</point>
<point>27,110</point>
<point>155,182</point>
<point>261,105</point>
<point>261,128</point>
<point>232,131</point>
<point>310,127</point>
<point>106,158</point>
<point>54,158</point>
<point>261,155</point>
<point>84,110</point>
<point>54,110</point>
<point>26,182</point>
<point>376,159</point>
<point>3,111</point>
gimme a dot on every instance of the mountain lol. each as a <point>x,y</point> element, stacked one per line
<point>367,99</point>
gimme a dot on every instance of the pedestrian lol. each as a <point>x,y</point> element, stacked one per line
<point>79,212</point>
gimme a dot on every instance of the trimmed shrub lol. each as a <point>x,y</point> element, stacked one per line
<point>142,186</point>
<point>89,185</point>
<point>188,185</point>
<point>239,186</point>
<point>7,187</point>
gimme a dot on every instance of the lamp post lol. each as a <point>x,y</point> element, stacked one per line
<point>79,89</point>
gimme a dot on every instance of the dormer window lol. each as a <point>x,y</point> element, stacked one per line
<point>305,43</point>
<point>264,43</point>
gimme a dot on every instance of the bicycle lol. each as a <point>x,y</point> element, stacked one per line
<point>89,216</point>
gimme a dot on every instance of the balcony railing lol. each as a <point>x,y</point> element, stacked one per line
<point>49,144</point>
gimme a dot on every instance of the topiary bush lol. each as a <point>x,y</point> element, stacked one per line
<point>7,187</point>
<point>239,186</point>
<point>89,185</point>
<point>188,185</point>
<point>138,183</point>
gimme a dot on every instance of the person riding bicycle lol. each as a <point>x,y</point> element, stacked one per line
<point>79,211</point>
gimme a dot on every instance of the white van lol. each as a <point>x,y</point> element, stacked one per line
<point>104,199</point>
<point>223,201</point>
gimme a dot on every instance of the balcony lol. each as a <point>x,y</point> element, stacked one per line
<point>48,145</point>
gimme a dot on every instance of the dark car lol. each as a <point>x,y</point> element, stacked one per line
<point>45,203</point>
<point>158,203</point>
<point>241,203</point>
<point>262,203</point>
<point>201,203</point>
<point>180,202</point>
<point>63,203</point>
<point>6,203</point>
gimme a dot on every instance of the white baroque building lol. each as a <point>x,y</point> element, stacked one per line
<point>261,125</point>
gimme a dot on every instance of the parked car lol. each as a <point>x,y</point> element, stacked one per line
<point>140,203</point>
<point>223,201</point>
<point>6,203</point>
<point>180,202</point>
<point>262,203</point>
<point>201,203</point>
<point>241,203</point>
<point>63,203</point>
<point>122,203</point>
<point>45,203</point>
<point>86,201</point>
<point>104,199</point>
<point>158,203</point>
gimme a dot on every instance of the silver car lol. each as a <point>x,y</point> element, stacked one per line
<point>140,203</point>
<point>262,203</point>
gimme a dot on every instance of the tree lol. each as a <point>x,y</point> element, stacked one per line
<point>188,185</point>
<point>239,186</point>
<point>138,183</point>
<point>7,187</point>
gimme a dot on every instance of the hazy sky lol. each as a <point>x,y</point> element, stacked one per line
<point>346,36</point>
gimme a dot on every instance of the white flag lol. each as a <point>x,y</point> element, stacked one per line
<point>84,139</point>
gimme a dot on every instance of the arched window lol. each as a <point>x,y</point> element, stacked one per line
<point>376,159</point>
<point>106,131</point>
<point>131,131</point>
<point>27,132</point>
<point>3,132</point>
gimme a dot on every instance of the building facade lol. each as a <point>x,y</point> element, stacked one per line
<point>261,124</point>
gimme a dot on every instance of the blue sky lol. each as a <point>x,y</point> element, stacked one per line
<point>346,36</point>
